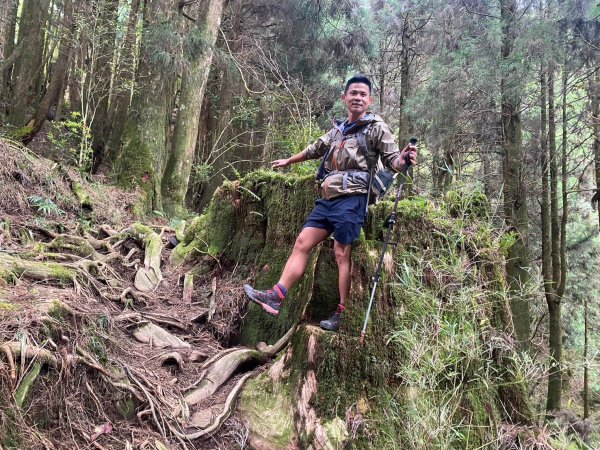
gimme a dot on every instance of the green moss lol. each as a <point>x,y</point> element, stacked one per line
<point>82,196</point>
<point>19,133</point>
<point>61,273</point>
<point>59,310</point>
<point>507,240</point>
<point>126,408</point>
<point>466,202</point>
<point>10,435</point>
<point>269,410</point>
<point>180,230</point>
<point>7,307</point>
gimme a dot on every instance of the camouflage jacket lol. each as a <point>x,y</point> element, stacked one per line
<point>346,166</point>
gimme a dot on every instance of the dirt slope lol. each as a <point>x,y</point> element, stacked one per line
<point>88,360</point>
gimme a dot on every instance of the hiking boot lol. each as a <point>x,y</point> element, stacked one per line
<point>269,299</point>
<point>331,324</point>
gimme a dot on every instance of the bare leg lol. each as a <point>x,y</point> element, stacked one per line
<point>342,256</point>
<point>296,264</point>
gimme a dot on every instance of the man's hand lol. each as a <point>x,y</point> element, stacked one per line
<point>280,163</point>
<point>408,153</point>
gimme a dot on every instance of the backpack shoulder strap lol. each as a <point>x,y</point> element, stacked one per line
<point>361,138</point>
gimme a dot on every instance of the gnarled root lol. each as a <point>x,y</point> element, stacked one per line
<point>219,372</point>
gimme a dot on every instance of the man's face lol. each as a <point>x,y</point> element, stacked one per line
<point>357,99</point>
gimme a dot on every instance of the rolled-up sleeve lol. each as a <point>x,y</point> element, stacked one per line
<point>318,148</point>
<point>383,141</point>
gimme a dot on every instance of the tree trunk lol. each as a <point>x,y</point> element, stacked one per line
<point>553,402</point>
<point>141,158</point>
<point>107,24</point>
<point>58,75</point>
<point>122,89</point>
<point>28,66</point>
<point>193,87</point>
<point>405,125</point>
<point>73,90</point>
<point>586,375</point>
<point>515,200</point>
<point>545,199</point>
<point>8,17</point>
<point>554,222</point>
<point>564,191</point>
<point>595,107</point>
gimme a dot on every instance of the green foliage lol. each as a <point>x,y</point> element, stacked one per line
<point>290,139</point>
<point>45,206</point>
<point>246,109</point>
<point>466,202</point>
<point>97,346</point>
<point>201,172</point>
<point>73,137</point>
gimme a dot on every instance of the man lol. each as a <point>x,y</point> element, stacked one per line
<point>342,208</point>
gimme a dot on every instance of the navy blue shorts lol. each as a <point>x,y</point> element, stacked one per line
<point>343,216</point>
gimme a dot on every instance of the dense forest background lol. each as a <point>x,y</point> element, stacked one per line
<point>172,97</point>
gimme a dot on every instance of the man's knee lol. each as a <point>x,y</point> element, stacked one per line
<point>303,244</point>
<point>342,253</point>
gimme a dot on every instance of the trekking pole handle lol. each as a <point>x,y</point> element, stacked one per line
<point>412,142</point>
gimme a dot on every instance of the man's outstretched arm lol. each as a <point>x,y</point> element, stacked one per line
<point>313,151</point>
<point>298,157</point>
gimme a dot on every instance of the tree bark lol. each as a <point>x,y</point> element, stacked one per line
<point>586,375</point>
<point>140,161</point>
<point>193,87</point>
<point>122,89</point>
<point>554,400</point>
<point>107,24</point>
<point>554,222</point>
<point>405,125</point>
<point>28,66</point>
<point>515,199</point>
<point>8,17</point>
<point>595,107</point>
<point>58,75</point>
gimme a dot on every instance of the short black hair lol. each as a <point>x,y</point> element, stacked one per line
<point>359,78</point>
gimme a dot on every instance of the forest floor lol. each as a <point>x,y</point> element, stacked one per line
<point>87,359</point>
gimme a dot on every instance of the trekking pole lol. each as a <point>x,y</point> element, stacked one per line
<point>388,235</point>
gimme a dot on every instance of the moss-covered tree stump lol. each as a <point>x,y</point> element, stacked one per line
<point>439,368</point>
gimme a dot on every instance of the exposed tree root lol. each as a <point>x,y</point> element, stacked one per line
<point>272,350</point>
<point>188,288</point>
<point>14,350</point>
<point>148,277</point>
<point>11,266</point>
<point>158,337</point>
<point>219,372</point>
<point>221,417</point>
<point>94,267</point>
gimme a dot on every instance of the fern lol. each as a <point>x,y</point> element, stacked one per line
<point>45,206</point>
